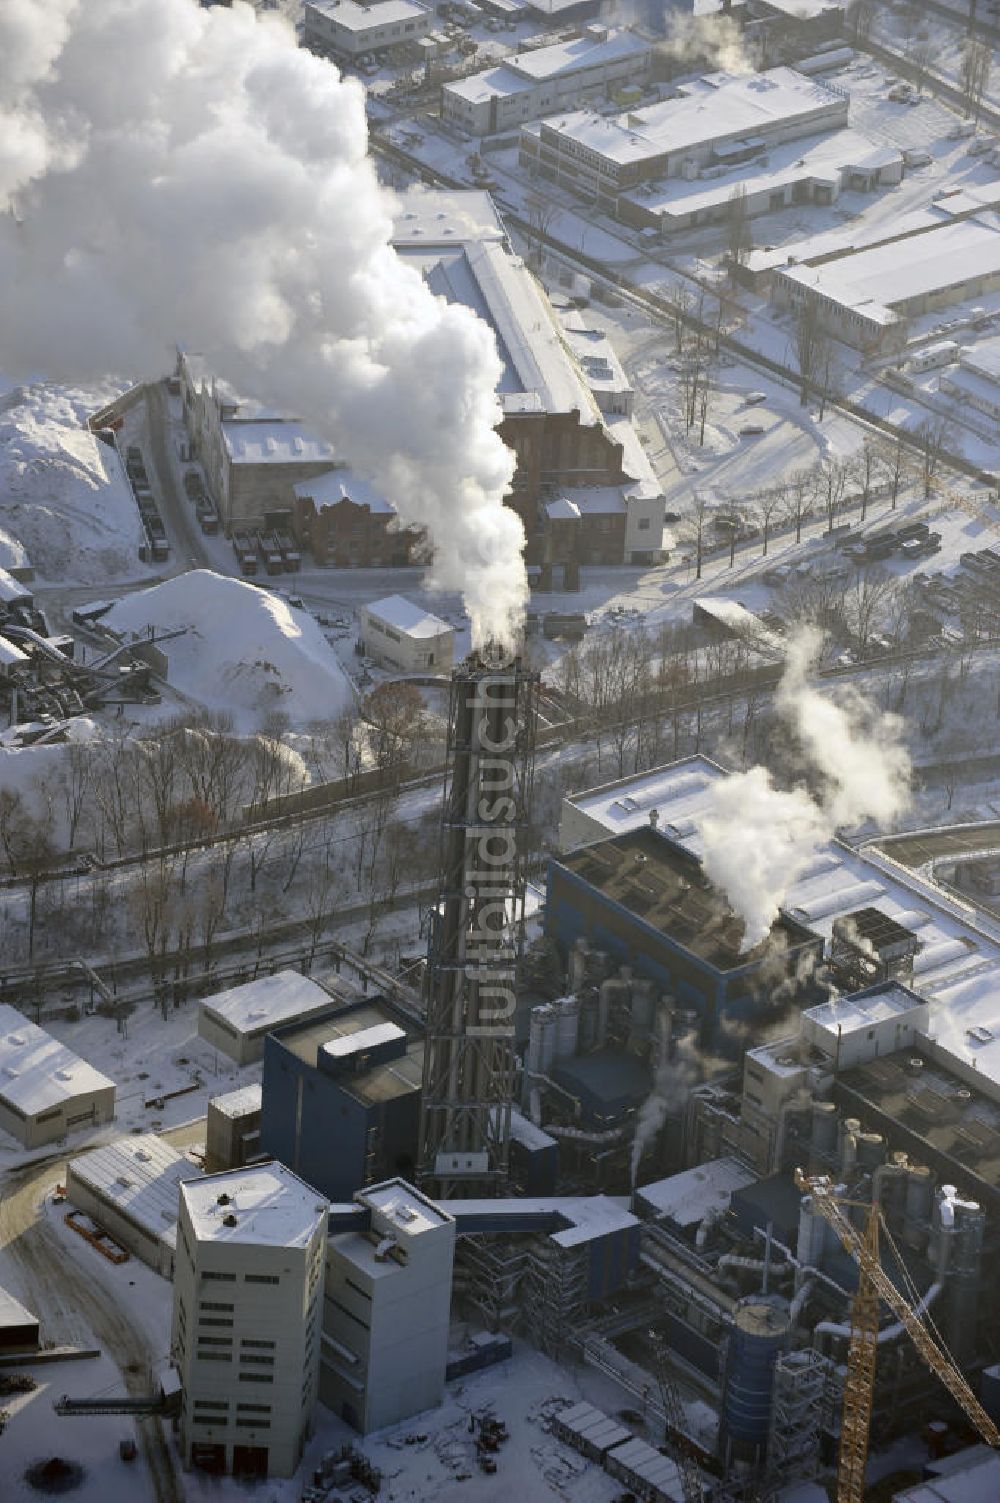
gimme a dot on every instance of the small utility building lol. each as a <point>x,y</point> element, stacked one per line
<point>236,1022</point>
<point>395,633</point>
<point>232,1135</point>
<point>45,1089</point>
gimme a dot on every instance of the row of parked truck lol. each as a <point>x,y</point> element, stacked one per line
<point>272,550</point>
<point>155,547</point>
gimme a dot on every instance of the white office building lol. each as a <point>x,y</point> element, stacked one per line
<point>546,79</point>
<point>46,1090</point>
<point>350,30</point>
<point>396,633</point>
<point>236,1022</point>
<point>248,1287</point>
<point>386,1309</point>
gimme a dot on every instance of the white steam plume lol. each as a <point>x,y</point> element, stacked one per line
<point>693,41</point>
<point>174,174</point>
<point>758,839</point>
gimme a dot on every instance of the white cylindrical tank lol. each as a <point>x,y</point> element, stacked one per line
<point>541,1040</point>
<point>567,1027</point>
<point>578,961</point>
<point>811,1244</point>
<point>643,1006</point>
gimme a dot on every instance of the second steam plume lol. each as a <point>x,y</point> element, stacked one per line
<point>176,174</point>
<point>758,839</point>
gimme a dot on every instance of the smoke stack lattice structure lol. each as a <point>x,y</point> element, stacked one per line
<point>477,932</point>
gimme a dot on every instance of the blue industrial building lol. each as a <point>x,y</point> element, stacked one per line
<point>645,900</point>
<point>341,1097</point>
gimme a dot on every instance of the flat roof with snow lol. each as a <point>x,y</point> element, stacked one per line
<point>258,1006</point>
<point>884,277</point>
<point>265,1205</point>
<point>400,1202</point>
<point>718,106</point>
<point>407,617</point>
<point>688,1197</point>
<point>14,1315</point>
<point>343,484</point>
<point>845,1015</point>
<point>37,1072</point>
<point>354,17</point>
<point>345,1045</point>
<point>274,442</point>
<point>239,1103</point>
<point>140,1177</point>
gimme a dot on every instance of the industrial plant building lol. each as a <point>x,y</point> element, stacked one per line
<point>245,1340</point>
<point>396,633</point>
<point>349,30</point>
<point>341,1096</point>
<point>46,1091</point>
<point>870,298</point>
<point>710,125</point>
<point>528,85</point>
<point>130,1188</point>
<point>583,487</point>
<point>236,1022</point>
<point>232,1130</point>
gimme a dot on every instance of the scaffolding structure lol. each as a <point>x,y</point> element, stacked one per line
<point>554,1293</point>
<point>797,1407</point>
<point>477,933</point>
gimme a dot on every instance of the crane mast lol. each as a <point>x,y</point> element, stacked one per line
<point>875,1286</point>
<point>676,1435</point>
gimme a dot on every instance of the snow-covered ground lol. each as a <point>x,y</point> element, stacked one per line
<point>64,497</point>
<point>242,651</point>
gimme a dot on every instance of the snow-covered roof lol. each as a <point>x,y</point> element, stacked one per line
<point>10,653</point>
<point>265,1205</point>
<point>407,617</point>
<point>258,1006</point>
<point>957,968</point>
<point>595,353</point>
<point>805,10</point>
<point>37,1071</point>
<point>983,359</point>
<point>589,1217</point>
<point>13,1314</point>
<point>343,484</point>
<point>884,277</point>
<point>238,1103</point>
<point>141,1177</point>
<point>717,106</point>
<point>405,1207</point>
<point>846,1015</point>
<point>344,1045</point>
<point>355,17</point>
<point>11,591</point>
<point>274,442</point>
<point>824,157</point>
<point>462,264</point>
<point>687,1198</point>
<point>977,1481</point>
<point>844,240</point>
<point>525,70</point>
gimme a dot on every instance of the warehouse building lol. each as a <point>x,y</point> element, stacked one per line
<point>397,634</point>
<point>716,122</point>
<point>341,1096</point>
<point>531,84</point>
<point>387,1307</point>
<point>236,1022</point>
<point>131,1188</point>
<point>233,1128</point>
<point>870,298</point>
<point>348,30</point>
<point>46,1091</point>
<point>245,1339</point>
<point>346,522</point>
<point>974,380</point>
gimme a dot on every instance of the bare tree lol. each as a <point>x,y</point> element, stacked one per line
<point>812,347</point>
<point>693,530</point>
<point>866,602</point>
<point>679,300</point>
<point>861,15</point>
<point>894,459</point>
<point>542,210</point>
<point>977,62</point>
<point>394,715</point>
<point>935,437</point>
<point>739,237</point>
<point>799,496</point>
<point>831,484</point>
<point>767,504</point>
<point>866,467</point>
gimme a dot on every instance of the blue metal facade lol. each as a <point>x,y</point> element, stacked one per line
<point>325,1134</point>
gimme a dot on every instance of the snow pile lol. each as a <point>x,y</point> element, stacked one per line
<point>63,494</point>
<point>243,649</point>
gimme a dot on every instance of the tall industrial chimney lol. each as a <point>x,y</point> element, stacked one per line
<point>477,932</point>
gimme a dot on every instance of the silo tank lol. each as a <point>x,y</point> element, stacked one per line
<point>824,1129</point>
<point>871,1150</point>
<point>567,1027</point>
<point>760,1334</point>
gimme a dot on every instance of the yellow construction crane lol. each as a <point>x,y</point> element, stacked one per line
<point>874,1285</point>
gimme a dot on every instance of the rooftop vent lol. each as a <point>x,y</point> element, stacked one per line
<point>229,1220</point>
<point>15,1038</point>
<point>64,1075</point>
<point>223,1199</point>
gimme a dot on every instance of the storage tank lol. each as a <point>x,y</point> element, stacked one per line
<point>850,1127</point>
<point>567,1027</point>
<point>811,1245</point>
<point>578,963</point>
<point>824,1130</point>
<point>759,1336</point>
<point>643,1005</point>
<point>541,1039</point>
<point>587,1036</point>
<point>871,1150</point>
<point>917,1213</point>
